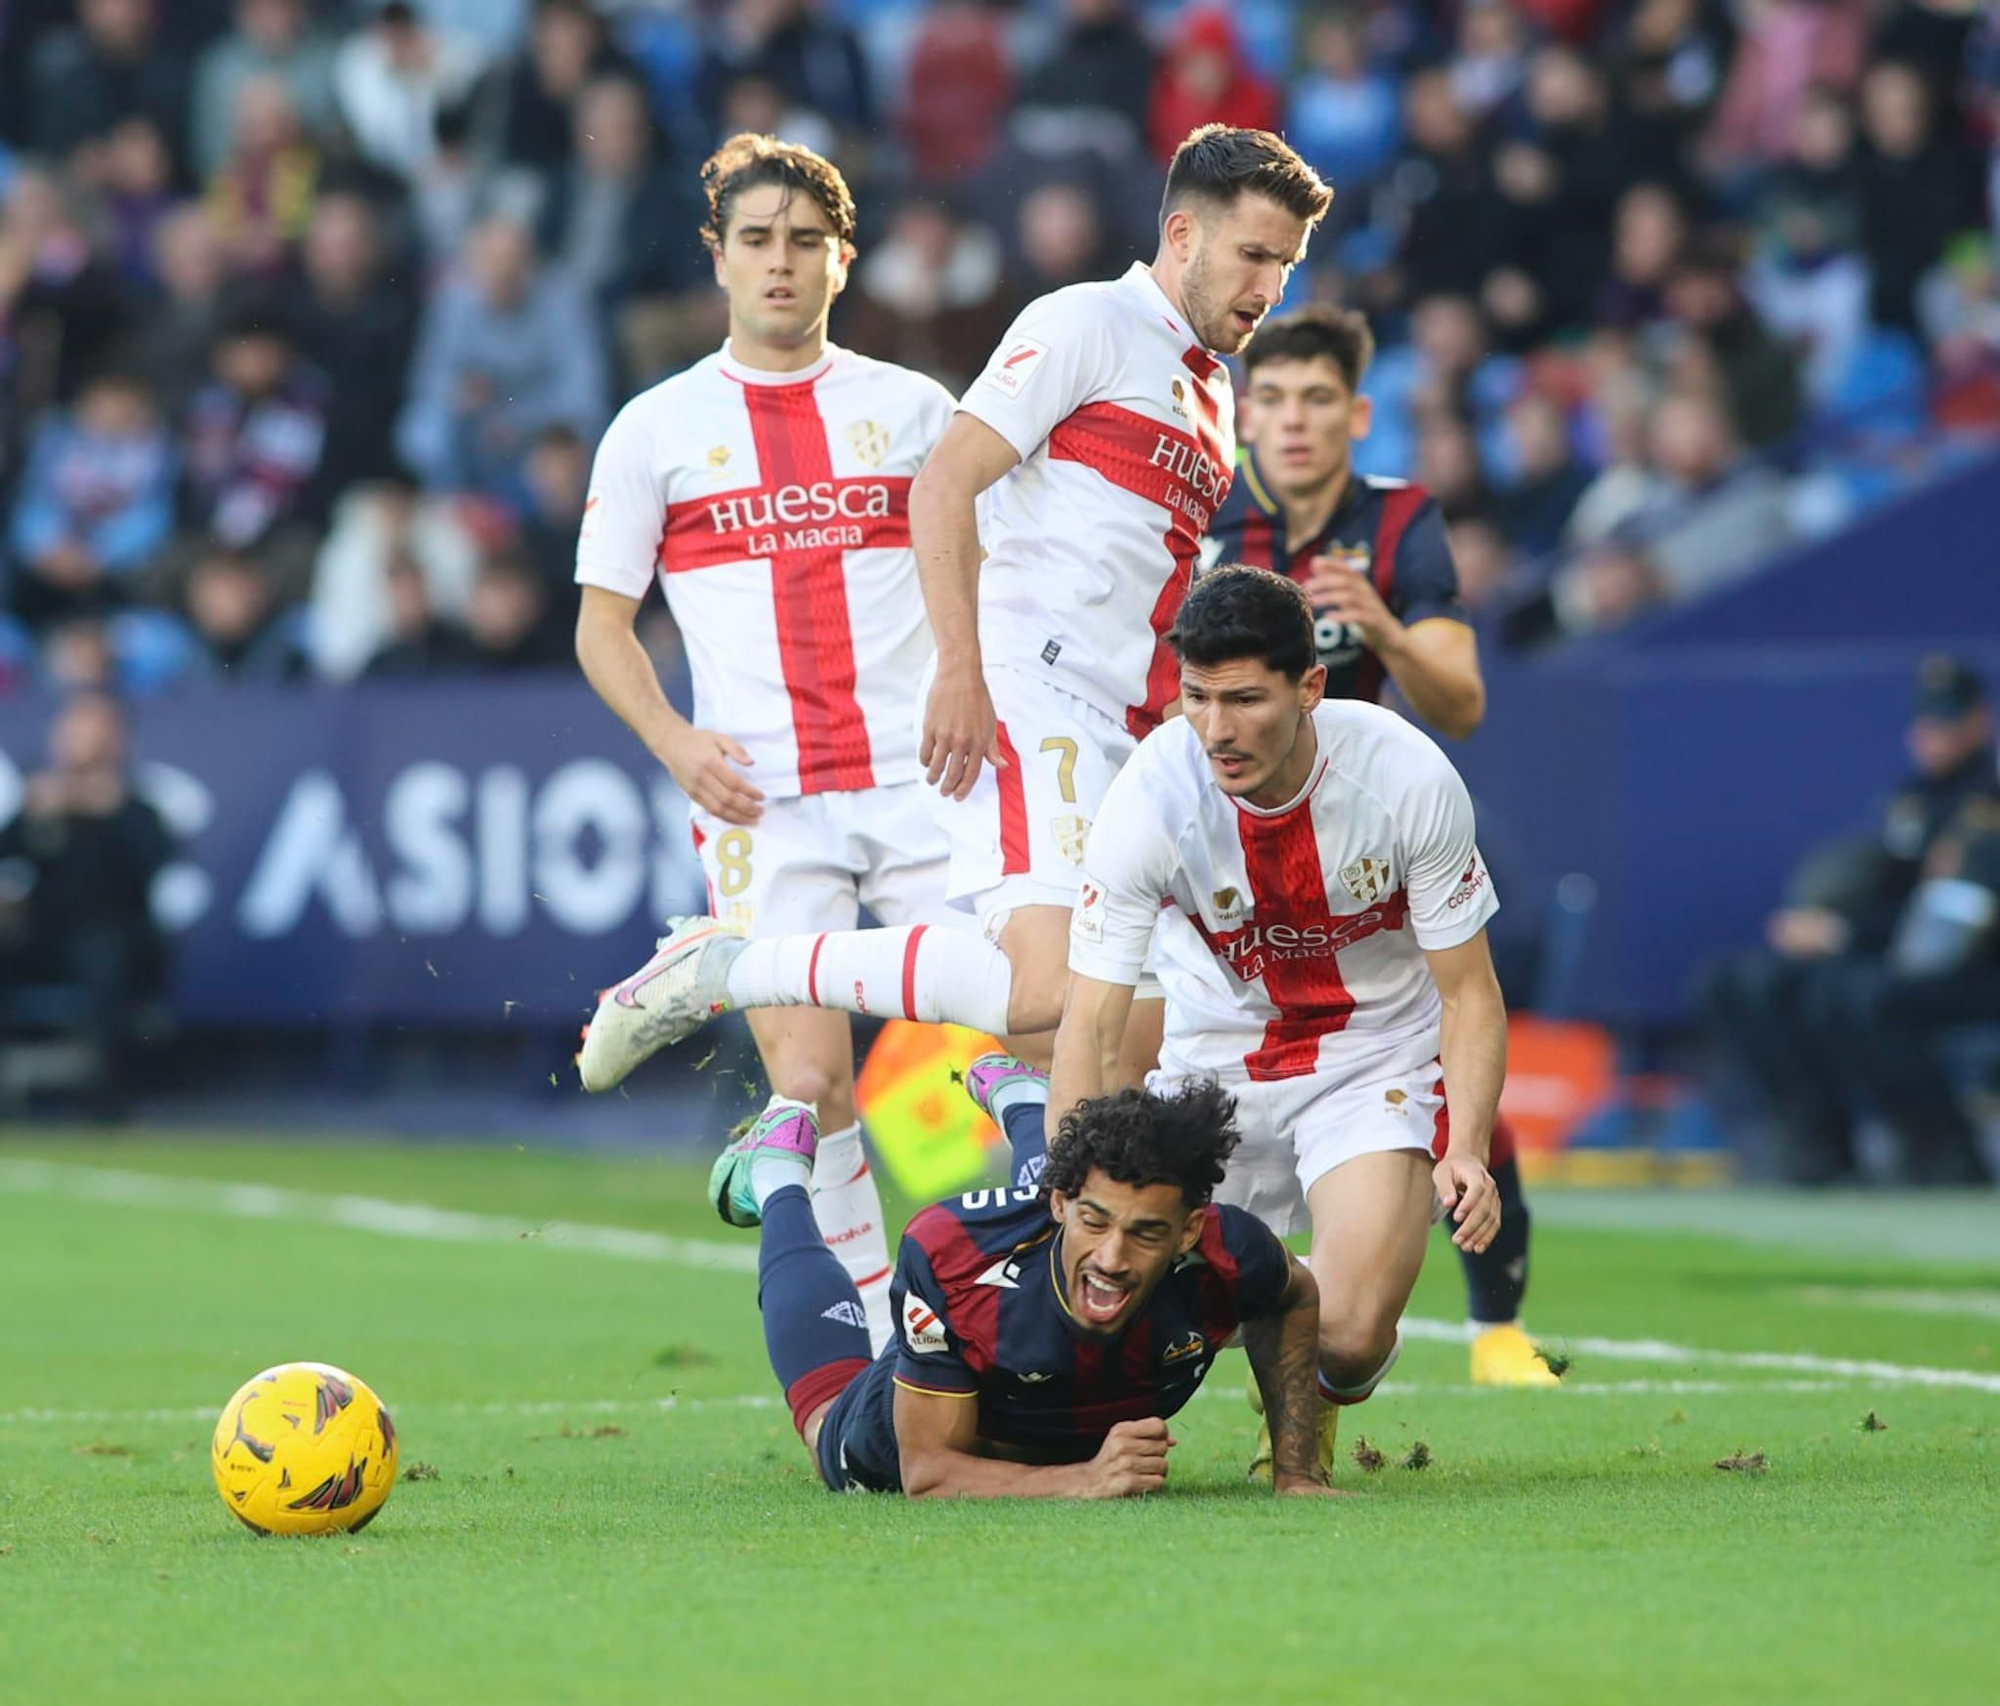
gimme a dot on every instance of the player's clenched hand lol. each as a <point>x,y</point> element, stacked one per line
<point>1348,596</point>
<point>959,732</point>
<point>1468,1194</point>
<point>704,764</point>
<point>1132,1459</point>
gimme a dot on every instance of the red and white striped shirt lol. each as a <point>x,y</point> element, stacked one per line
<point>775,509</point>
<point>1289,941</point>
<point>1126,430</point>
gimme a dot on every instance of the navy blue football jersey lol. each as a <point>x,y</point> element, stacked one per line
<point>1388,530</point>
<point>981,1315</point>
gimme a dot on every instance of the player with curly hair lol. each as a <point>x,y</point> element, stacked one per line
<point>1045,1332</point>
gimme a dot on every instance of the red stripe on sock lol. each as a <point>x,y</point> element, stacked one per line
<point>910,971</point>
<point>824,1384</point>
<point>1328,1395</point>
<point>812,970</point>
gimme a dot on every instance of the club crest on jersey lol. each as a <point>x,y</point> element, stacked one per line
<point>1071,833</point>
<point>1189,1344</point>
<point>718,456</point>
<point>1178,389</point>
<point>1228,904</point>
<point>1360,558</point>
<point>869,440</point>
<point>1366,879</point>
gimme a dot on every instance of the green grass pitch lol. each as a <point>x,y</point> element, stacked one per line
<point>620,1511</point>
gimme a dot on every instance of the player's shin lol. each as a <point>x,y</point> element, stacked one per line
<point>848,1208</point>
<point>1496,1278</point>
<point>936,976</point>
<point>814,1326</point>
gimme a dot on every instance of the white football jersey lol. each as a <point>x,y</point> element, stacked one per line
<point>1288,941</point>
<point>775,509</point>
<point>1126,430</point>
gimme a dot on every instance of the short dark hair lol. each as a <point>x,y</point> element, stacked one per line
<point>1240,612</point>
<point>747,160</point>
<point>1217,163</point>
<point>1138,1138</point>
<point>1340,335</point>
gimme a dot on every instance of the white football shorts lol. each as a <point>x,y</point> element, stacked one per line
<point>1297,1130</point>
<point>812,862</point>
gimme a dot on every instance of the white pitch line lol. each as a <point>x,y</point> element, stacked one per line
<point>418,1220</point>
<point>367,1214</point>
<point>1791,1362</point>
<point>1981,1305</point>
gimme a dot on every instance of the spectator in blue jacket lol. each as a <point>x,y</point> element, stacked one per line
<point>506,350</point>
<point>95,504</point>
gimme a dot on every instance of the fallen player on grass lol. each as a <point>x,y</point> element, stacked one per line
<point>1044,1333</point>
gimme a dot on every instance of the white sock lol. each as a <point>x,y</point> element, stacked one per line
<point>937,976</point>
<point>773,1172</point>
<point>848,1208</point>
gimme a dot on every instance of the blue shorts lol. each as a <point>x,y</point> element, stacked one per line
<point>857,1441</point>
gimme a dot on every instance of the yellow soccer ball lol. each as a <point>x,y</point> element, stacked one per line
<point>304,1449</point>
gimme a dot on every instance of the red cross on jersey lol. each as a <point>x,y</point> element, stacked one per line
<point>774,508</point>
<point>1125,427</point>
<point>1288,941</point>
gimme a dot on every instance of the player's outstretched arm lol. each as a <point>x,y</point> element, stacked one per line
<point>1473,1053</point>
<point>944,529</point>
<point>1087,1043</point>
<point>1283,1347</point>
<point>937,1444</point>
<point>702,762</point>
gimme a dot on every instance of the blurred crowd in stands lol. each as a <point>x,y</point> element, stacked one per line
<point>311,312</point>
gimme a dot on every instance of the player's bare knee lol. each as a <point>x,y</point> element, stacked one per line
<point>1353,1346</point>
<point>812,1081</point>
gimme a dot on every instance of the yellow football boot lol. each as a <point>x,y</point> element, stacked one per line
<point>1506,1356</point>
<point>1260,1462</point>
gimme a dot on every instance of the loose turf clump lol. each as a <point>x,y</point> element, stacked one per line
<point>1744,1462</point>
<point>1419,1457</point>
<point>1367,1456</point>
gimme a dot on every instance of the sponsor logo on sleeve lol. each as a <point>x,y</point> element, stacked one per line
<point>1087,922</point>
<point>847,1312</point>
<point>1072,833</point>
<point>1017,365</point>
<point>1470,882</point>
<point>923,1327</point>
